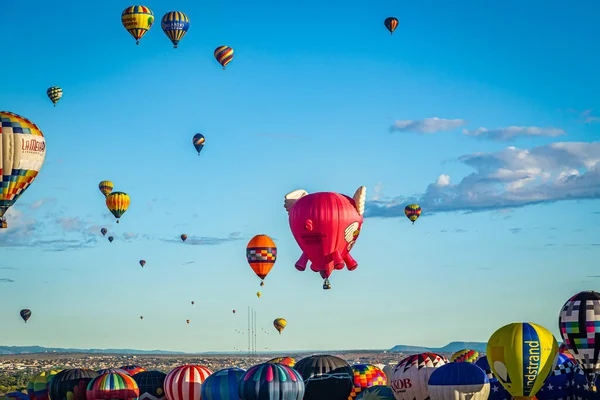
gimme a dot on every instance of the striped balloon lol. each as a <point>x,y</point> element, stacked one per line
<point>289,361</point>
<point>109,370</point>
<point>222,385</point>
<point>185,382</point>
<point>112,385</point>
<point>271,381</point>
<point>40,384</point>
<point>133,369</point>
<point>224,55</point>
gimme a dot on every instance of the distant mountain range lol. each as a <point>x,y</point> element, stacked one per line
<point>449,348</point>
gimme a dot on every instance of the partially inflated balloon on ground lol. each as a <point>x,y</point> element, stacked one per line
<point>185,382</point>
<point>458,381</point>
<point>151,384</point>
<point>365,376</point>
<point>271,381</point>
<point>522,355</point>
<point>113,386</point>
<point>411,375</point>
<point>222,385</point>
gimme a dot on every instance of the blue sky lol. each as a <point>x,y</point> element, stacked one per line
<point>318,97</point>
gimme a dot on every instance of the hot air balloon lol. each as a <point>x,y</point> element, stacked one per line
<point>111,370</point>
<point>193,303</point>
<point>581,332</point>
<point>142,263</point>
<point>376,393</point>
<point>113,386</point>
<point>280,324</point>
<point>234,311</point>
<point>258,294</point>
<point>185,382</point>
<point>271,381</point>
<point>289,361</point>
<point>133,369</point>
<point>563,349</point>
<point>224,55</point>
<point>412,212</point>
<point>183,237</point>
<point>187,320</point>
<point>366,375</point>
<point>22,151</point>
<point>103,231</point>
<point>141,317</point>
<point>497,391</point>
<point>391,24</point>
<point>151,384</point>
<point>198,142</point>
<point>325,226</point>
<point>25,314</point>
<point>388,370</point>
<point>465,355</point>
<point>110,239</point>
<point>70,384</point>
<point>175,24</point>
<point>40,384</point>
<point>137,20</point>
<point>326,377</point>
<point>410,376</point>
<point>222,385</point>
<point>458,381</point>
<point>30,394</point>
<point>54,93</point>
<point>522,355</point>
<point>261,254</point>
<point>14,396</point>
<point>118,203</point>
<point>557,385</point>
<point>106,187</point>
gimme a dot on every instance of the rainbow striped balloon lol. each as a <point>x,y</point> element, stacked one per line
<point>224,55</point>
<point>112,385</point>
<point>185,382</point>
<point>271,381</point>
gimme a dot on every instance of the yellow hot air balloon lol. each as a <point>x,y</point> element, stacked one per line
<point>118,203</point>
<point>258,294</point>
<point>106,187</point>
<point>280,324</point>
<point>522,355</point>
<point>137,20</point>
<point>22,154</point>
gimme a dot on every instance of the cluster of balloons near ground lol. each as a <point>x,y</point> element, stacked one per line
<point>522,361</point>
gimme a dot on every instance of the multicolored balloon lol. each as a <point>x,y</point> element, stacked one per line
<point>185,382</point>
<point>326,377</point>
<point>261,254</point>
<point>151,384</point>
<point>224,55</point>
<point>271,381</point>
<point>580,330</point>
<point>366,375</point>
<point>183,237</point>
<point>391,23</point>
<point>280,324</point>
<point>137,20</point>
<point>222,385</point>
<point>25,314</point>
<point>54,93</point>
<point>30,394</point>
<point>289,361</point>
<point>563,349</point>
<point>198,142</point>
<point>175,24</point>
<point>326,226</point>
<point>133,369</point>
<point>118,203</point>
<point>497,391</point>
<point>558,385</point>
<point>106,187</point>
<point>103,231</point>
<point>522,355</point>
<point>412,212</point>
<point>142,263</point>
<point>71,384</point>
<point>23,149</point>
<point>411,375</point>
<point>465,355</point>
<point>40,384</point>
<point>458,381</point>
<point>113,386</point>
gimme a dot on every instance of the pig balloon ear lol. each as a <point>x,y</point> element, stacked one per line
<point>292,197</point>
<point>360,196</point>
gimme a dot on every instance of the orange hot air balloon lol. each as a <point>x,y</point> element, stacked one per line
<point>187,320</point>
<point>261,254</point>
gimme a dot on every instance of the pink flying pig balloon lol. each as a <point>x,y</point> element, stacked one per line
<point>325,226</point>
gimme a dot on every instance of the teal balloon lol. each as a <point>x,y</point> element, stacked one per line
<point>222,385</point>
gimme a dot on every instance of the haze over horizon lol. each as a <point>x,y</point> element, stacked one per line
<point>491,124</point>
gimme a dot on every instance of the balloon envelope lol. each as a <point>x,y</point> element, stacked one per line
<point>411,375</point>
<point>326,377</point>
<point>222,385</point>
<point>151,384</point>
<point>271,381</point>
<point>458,381</point>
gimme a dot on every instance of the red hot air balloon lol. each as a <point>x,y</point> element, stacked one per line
<point>325,226</point>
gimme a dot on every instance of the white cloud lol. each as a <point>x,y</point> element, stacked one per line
<point>427,125</point>
<point>510,178</point>
<point>511,132</point>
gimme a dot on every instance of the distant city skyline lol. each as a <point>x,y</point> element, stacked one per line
<point>487,115</point>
